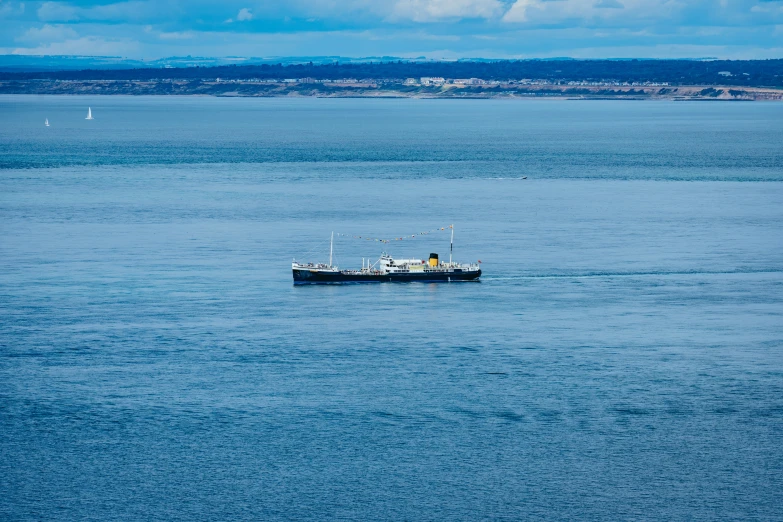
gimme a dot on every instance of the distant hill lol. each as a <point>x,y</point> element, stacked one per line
<point>28,63</point>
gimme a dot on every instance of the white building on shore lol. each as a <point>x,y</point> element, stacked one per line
<point>468,81</point>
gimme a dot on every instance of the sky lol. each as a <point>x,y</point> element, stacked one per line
<point>437,29</point>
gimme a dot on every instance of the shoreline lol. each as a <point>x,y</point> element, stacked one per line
<point>241,89</point>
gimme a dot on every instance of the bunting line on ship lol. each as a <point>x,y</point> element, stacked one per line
<point>401,238</point>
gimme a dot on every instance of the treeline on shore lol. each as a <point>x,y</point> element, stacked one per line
<point>750,73</point>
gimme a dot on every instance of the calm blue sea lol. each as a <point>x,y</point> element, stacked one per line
<point>621,358</point>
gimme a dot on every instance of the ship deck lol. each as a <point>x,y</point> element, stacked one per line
<point>305,276</point>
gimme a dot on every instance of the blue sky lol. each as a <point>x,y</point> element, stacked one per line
<point>406,28</point>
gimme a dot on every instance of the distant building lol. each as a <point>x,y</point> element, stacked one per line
<point>724,73</point>
<point>468,81</point>
<point>435,80</point>
<point>306,80</point>
<point>410,81</point>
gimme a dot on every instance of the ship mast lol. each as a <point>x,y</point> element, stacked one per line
<point>451,248</point>
<point>331,245</point>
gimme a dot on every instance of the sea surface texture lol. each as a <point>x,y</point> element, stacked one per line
<point>621,358</point>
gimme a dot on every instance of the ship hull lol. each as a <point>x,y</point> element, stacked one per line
<point>304,276</point>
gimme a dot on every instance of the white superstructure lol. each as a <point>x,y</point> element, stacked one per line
<point>387,265</point>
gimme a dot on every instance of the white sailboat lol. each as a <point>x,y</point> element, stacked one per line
<point>46,122</point>
<point>89,114</point>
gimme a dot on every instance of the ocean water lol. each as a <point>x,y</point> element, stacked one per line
<point>621,358</point>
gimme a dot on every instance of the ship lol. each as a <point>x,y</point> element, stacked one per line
<point>387,269</point>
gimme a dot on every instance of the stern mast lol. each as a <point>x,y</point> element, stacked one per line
<point>331,247</point>
<point>451,247</point>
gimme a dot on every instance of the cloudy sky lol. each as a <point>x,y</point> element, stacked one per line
<point>407,28</point>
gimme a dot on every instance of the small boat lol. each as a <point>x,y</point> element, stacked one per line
<point>89,114</point>
<point>387,269</point>
<point>46,122</point>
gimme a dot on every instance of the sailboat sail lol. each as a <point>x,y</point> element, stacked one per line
<point>46,122</point>
<point>89,114</point>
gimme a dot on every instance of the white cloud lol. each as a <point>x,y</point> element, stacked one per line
<point>7,9</point>
<point>554,11</point>
<point>435,10</point>
<point>519,11</point>
<point>89,45</point>
<point>47,33</point>
<point>609,4</point>
<point>131,11</point>
<point>244,15</point>
<point>768,8</point>
<point>177,35</point>
<point>57,12</point>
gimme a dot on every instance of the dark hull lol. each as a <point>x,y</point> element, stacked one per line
<point>305,277</point>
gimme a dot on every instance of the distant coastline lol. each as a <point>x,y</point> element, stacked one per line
<point>741,80</point>
<point>239,88</point>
